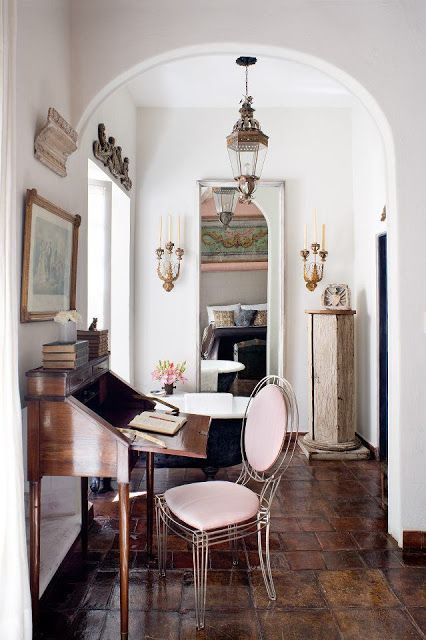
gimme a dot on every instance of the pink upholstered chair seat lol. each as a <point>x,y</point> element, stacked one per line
<point>212,505</point>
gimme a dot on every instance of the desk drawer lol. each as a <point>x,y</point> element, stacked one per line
<point>100,367</point>
<point>79,377</point>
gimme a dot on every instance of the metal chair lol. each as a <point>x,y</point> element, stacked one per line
<point>209,513</point>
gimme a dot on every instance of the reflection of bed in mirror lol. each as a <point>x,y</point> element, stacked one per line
<point>224,339</point>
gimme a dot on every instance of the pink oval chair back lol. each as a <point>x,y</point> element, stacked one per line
<point>270,427</point>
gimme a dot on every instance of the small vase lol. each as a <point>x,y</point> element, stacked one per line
<point>168,388</point>
<point>68,332</point>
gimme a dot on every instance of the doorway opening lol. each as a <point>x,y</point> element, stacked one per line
<point>383,357</point>
<point>108,264</point>
<point>383,346</point>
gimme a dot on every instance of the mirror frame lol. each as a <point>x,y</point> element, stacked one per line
<point>277,184</point>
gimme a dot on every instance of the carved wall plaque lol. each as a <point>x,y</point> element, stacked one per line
<point>110,156</point>
<point>55,142</point>
<point>336,296</point>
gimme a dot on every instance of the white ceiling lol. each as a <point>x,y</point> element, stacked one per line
<point>216,81</point>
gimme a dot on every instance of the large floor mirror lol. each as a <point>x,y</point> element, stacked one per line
<point>241,286</point>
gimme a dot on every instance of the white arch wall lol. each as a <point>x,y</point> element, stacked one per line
<point>380,45</point>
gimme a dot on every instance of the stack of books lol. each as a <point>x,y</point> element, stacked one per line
<point>65,355</point>
<point>98,342</point>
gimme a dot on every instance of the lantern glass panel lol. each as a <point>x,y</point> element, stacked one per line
<point>247,158</point>
<point>225,199</point>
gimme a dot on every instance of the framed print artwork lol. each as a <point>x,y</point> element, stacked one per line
<point>49,266</point>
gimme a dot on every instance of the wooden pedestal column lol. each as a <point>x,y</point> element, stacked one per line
<point>331,383</point>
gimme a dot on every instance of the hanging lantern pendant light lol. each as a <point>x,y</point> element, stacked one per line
<point>225,200</point>
<point>247,144</point>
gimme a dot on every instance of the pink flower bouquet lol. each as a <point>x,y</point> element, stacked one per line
<point>168,373</point>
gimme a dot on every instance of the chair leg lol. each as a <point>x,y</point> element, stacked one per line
<point>234,545</point>
<point>200,556</point>
<point>161,542</point>
<point>265,565</point>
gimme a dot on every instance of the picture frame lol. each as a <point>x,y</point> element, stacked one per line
<point>49,262</point>
<point>242,246</point>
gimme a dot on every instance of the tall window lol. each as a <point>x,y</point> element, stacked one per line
<point>108,269</point>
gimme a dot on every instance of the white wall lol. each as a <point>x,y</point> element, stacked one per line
<point>227,287</point>
<point>358,43</point>
<point>369,200</point>
<point>353,41</point>
<point>309,148</point>
<point>44,79</point>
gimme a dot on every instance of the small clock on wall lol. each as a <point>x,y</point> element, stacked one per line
<point>336,296</point>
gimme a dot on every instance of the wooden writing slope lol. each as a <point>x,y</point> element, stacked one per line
<point>72,431</point>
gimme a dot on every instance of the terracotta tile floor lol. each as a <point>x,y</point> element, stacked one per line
<point>338,575</point>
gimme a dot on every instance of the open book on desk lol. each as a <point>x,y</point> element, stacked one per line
<point>158,422</point>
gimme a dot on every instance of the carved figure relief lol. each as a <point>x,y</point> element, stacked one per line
<point>55,142</point>
<point>109,154</point>
<point>336,296</point>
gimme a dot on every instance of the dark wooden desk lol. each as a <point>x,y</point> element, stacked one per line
<point>72,431</point>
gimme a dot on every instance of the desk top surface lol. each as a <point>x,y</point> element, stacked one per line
<point>190,441</point>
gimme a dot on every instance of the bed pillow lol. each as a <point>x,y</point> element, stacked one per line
<point>255,307</point>
<point>223,318</point>
<point>244,317</point>
<point>260,319</point>
<point>226,307</point>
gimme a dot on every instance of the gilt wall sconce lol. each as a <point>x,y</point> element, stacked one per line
<point>169,259</point>
<point>312,269</point>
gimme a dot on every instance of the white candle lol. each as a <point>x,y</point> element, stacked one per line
<point>178,231</point>
<point>170,228</point>
<point>315,225</point>
<point>323,238</point>
<point>161,231</point>
<point>305,237</point>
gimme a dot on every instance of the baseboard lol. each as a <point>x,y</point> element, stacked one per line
<point>414,540</point>
<point>372,449</point>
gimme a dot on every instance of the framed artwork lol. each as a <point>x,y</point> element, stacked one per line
<point>49,266</point>
<point>242,246</point>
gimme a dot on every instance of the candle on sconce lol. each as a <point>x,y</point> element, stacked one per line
<point>161,231</point>
<point>178,242</point>
<point>170,228</point>
<point>323,238</point>
<point>315,226</point>
<point>305,237</point>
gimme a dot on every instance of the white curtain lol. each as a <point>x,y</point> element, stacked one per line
<point>15,605</point>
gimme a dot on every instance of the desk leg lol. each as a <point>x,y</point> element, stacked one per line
<point>123,494</point>
<point>84,515</point>
<point>149,501</point>
<point>35,491</point>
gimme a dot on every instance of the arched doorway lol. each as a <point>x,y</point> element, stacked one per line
<point>381,122</point>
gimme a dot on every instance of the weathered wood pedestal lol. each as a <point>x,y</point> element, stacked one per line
<point>331,388</point>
